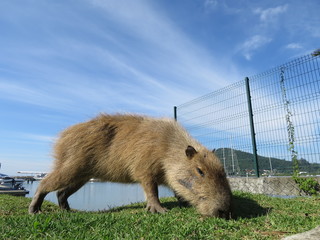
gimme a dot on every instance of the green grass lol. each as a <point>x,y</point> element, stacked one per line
<point>257,217</point>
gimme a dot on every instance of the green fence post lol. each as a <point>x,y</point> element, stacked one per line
<point>253,134</point>
<point>175,113</point>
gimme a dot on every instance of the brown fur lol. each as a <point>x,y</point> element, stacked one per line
<point>127,149</point>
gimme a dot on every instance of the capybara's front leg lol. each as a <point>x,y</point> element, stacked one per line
<point>42,191</point>
<point>35,206</point>
<point>153,203</point>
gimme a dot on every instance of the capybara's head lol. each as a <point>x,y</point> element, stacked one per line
<point>200,180</point>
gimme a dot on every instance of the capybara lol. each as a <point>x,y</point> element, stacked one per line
<point>137,149</point>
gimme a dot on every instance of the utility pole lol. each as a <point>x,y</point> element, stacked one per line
<point>271,170</point>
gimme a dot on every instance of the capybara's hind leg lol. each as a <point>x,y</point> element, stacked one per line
<point>63,194</point>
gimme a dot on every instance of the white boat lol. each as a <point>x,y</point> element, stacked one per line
<point>37,176</point>
<point>9,183</point>
<point>40,176</point>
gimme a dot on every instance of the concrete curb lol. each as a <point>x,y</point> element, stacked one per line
<point>282,186</point>
<point>313,234</point>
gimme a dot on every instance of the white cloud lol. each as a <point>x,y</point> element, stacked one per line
<point>40,138</point>
<point>252,44</point>
<point>23,138</point>
<point>294,46</point>
<point>270,13</point>
<point>31,95</point>
<point>212,4</point>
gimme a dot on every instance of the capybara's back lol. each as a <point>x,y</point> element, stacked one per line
<point>130,148</point>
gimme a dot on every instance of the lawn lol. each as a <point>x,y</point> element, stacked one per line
<point>257,217</point>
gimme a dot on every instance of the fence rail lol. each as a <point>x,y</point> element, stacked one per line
<point>286,119</point>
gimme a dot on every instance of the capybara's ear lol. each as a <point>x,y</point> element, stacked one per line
<point>213,150</point>
<point>190,152</point>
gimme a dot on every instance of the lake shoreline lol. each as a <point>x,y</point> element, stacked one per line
<point>101,196</point>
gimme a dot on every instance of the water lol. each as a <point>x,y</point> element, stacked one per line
<point>95,196</point>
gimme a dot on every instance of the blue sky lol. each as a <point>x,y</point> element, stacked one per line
<point>64,61</point>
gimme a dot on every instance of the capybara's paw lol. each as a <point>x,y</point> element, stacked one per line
<point>156,209</point>
<point>34,210</point>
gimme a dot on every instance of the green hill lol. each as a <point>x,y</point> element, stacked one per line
<point>237,162</point>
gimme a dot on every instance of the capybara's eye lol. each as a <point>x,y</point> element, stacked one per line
<point>200,172</point>
<point>202,198</point>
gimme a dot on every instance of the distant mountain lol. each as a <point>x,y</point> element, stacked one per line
<point>238,162</point>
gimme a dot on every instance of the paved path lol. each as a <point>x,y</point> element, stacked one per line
<point>313,234</point>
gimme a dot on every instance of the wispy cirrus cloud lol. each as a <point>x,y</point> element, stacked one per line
<point>265,29</point>
<point>123,60</point>
<point>180,57</point>
<point>211,4</point>
<point>253,44</point>
<point>294,46</point>
<point>269,14</point>
<point>39,137</point>
<point>30,95</point>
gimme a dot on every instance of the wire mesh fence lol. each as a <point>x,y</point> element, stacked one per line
<point>286,119</point>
